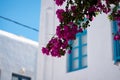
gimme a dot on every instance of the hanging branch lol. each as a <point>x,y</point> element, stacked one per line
<point>75,18</point>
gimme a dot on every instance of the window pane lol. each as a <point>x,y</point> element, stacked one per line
<point>25,79</point>
<point>75,52</point>
<point>84,50</point>
<point>119,50</point>
<point>84,61</point>
<point>78,58</point>
<point>14,78</point>
<point>20,77</point>
<point>76,42</point>
<point>84,39</point>
<point>76,64</point>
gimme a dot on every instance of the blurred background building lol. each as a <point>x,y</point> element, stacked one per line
<point>18,57</point>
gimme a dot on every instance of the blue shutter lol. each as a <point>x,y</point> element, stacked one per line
<point>116,43</point>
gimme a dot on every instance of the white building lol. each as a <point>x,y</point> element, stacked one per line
<point>99,63</point>
<point>18,57</point>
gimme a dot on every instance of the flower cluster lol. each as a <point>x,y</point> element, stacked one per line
<point>68,32</point>
<point>117,37</point>
<point>75,18</point>
<point>59,13</point>
<point>57,45</point>
<point>59,2</point>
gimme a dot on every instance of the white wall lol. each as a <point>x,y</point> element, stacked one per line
<point>17,53</point>
<point>100,61</point>
<point>52,68</point>
<point>47,29</point>
<point>100,54</point>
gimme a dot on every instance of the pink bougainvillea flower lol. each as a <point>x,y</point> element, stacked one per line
<point>117,37</point>
<point>88,17</point>
<point>80,30</point>
<point>59,2</point>
<point>45,51</point>
<point>69,51</point>
<point>73,8</point>
<point>71,17</point>
<point>119,24</point>
<point>59,13</point>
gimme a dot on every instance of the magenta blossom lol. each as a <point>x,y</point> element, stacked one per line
<point>73,8</point>
<point>59,2</point>
<point>72,21</point>
<point>45,51</point>
<point>117,37</point>
<point>119,24</point>
<point>59,13</point>
<point>69,51</point>
<point>58,47</point>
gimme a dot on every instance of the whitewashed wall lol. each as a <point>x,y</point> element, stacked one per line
<point>100,61</point>
<point>100,50</point>
<point>47,29</point>
<point>52,68</point>
<point>17,53</point>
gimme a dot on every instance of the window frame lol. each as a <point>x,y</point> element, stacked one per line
<point>80,56</point>
<point>20,77</point>
<point>116,44</point>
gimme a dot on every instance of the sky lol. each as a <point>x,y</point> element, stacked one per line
<point>26,12</point>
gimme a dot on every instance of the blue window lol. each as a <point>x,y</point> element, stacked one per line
<point>78,58</point>
<point>116,43</point>
<point>19,77</point>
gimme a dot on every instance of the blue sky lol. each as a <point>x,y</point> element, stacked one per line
<point>26,12</point>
